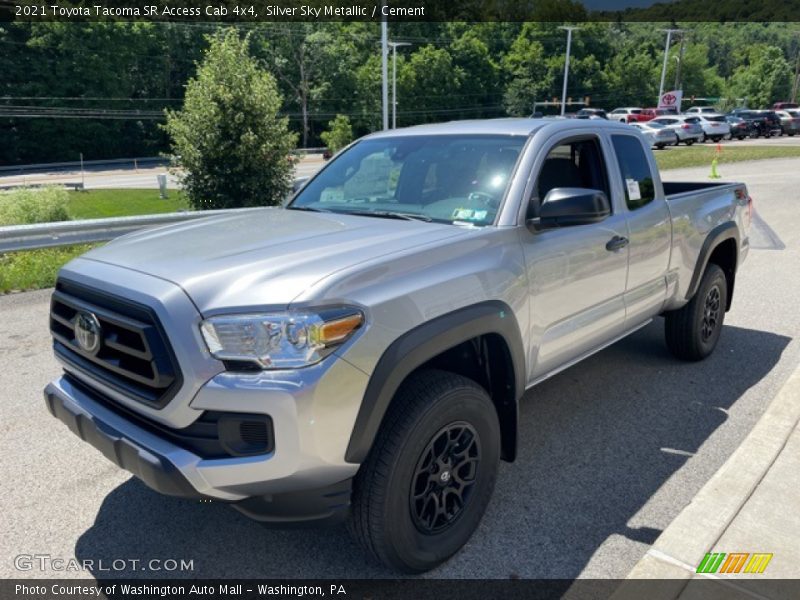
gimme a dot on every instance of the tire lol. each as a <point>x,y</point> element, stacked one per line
<point>407,534</point>
<point>689,141</point>
<point>740,137</point>
<point>703,139</point>
<point>659,146</point>
<point>692,332</point>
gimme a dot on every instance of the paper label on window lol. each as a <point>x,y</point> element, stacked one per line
<point>462,213</point>
<point>633,189</point>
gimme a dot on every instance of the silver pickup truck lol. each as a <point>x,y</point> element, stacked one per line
<point>360,353</point>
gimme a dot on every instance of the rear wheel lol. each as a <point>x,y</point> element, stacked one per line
<point>692,332</point>
<point>427,481</point>
<point>689,141</point>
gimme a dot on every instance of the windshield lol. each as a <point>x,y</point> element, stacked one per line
<point>458,179</point>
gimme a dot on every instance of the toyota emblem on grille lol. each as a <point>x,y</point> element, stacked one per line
<point>88,332</point>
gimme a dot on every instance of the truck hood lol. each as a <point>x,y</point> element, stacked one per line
<point>264,257</point>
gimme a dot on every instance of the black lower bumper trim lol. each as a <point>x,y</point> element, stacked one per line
<point>305,508</point>
<point>154,470</point>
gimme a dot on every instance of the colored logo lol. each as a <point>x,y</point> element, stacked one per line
<point>734,562</point>
<point>668,99</point>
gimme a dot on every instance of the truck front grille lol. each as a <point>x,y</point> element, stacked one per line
<point>133,355</point>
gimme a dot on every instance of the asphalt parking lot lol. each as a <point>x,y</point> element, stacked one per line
<point>611,450</point>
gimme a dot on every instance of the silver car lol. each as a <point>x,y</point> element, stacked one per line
<point>658,135</point>
<point>686,127</point>
<point>715,127</point>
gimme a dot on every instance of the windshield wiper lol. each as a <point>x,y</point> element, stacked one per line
<point>387,214</point>
<point>309,209</point>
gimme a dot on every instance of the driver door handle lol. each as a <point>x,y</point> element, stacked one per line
<point>616,243</point>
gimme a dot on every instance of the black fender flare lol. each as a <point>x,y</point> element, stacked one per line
<point>715,237</point>
<point>424,342</point>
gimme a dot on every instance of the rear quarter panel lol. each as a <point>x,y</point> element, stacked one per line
<point>694,215</point>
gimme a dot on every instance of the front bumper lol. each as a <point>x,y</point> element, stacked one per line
<point>303,478</point>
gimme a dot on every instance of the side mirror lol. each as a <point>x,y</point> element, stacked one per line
<point>563,207</point>
<point>299,182</point>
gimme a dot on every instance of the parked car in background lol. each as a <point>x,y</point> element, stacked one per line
<point>702,110</point>
<point>652,113</point>
<point>715,127</point>
<point>763,122</point>
<point>628,115</point>
<point>591,113</point>
<point>790,121</point>
<point>686,127</point>
<point>659,136</point>
<point>785,105</point>
<point>740,128</point>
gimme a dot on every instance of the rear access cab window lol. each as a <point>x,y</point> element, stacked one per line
<point>637,178</point>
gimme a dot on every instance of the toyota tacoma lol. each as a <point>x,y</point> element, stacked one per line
<point>360,353</point>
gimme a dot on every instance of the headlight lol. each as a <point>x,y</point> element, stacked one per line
<point>280,340</point>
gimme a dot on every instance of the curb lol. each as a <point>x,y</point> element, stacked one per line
<point>695,531</point>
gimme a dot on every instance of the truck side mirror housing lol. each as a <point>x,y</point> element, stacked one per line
<point>563,207</point>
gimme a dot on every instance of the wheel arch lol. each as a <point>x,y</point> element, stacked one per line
<point>486,332</point>
<point>721,247</point>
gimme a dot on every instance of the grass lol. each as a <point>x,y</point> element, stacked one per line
<point>35,269</point>
<point>98,204</point>
<point>701,156</point>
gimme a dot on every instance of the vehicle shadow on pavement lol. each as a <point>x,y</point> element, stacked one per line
<point>596,444</point>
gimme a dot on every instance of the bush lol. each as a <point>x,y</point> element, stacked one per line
<point>339,134</point>
<point>33,205</point>
<point>233,146</point>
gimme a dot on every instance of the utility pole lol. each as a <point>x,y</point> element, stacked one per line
<point>678,81</point>
<point>664,66</point>
<point>395,46</point>
<point>569,30</point>
<point>384,72</point>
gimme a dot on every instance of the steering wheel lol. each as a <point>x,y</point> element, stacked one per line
<point>484,197</point>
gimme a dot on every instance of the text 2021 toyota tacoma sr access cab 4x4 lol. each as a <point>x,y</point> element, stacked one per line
<point>360,353</point>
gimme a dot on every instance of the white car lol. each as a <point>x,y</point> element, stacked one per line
<point>715,127</point>
<point>702,110</point>
<point>686,127</point>
<point>626,115</point>
<point>657,135</point>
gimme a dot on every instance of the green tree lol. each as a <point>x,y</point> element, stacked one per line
<point>229,139</point>
<point>339,134</point>
<point>766,79</point>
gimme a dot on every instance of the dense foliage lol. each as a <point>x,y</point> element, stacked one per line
<point>338,135</point>
<point>232,146</point>
<point>33,205</point>
<point>101,88</point>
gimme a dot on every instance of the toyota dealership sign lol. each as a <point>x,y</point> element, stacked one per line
<point>671,100</point>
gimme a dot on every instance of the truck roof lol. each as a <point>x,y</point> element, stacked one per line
<point>507,126</point>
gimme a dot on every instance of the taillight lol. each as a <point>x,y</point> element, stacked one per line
<point>686,126</point>
<point>749,209</point>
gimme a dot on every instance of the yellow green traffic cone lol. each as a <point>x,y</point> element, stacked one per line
<point>714,174</point>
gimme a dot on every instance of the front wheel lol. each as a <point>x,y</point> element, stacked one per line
<point>692,332</point>
<point>430,475</point>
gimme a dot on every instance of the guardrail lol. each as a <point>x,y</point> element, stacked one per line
<point>91,164</point>
<point>66,233</point>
